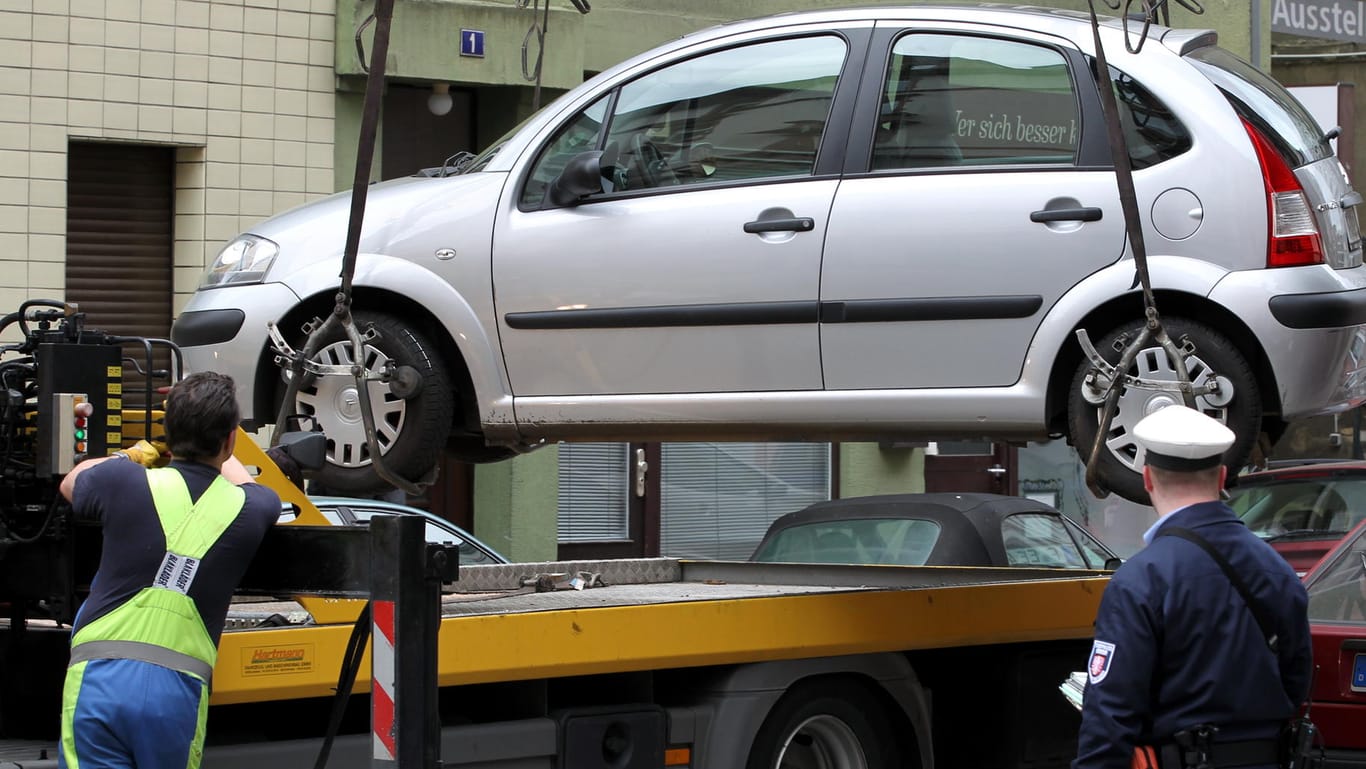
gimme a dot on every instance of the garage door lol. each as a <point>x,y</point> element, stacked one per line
<point>120,206</point>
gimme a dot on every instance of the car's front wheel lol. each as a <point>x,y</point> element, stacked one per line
<point>1214,358</point>
<point>410,426</point>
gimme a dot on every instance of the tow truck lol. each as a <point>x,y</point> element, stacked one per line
<point>572,665</point>
<point>630,663</point>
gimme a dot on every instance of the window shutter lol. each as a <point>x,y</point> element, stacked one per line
<point>593,505</point>
<point>717,499</point>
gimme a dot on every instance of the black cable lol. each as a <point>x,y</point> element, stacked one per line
<point>346,679</point>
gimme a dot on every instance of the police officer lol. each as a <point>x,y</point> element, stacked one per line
<point>177,540</point>
<point>1179,665</point>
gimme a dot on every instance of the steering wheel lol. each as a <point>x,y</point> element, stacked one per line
<point>654,169</point>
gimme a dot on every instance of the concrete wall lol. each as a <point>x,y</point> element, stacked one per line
<point>243,89</point>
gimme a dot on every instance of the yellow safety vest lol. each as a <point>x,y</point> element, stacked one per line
<point>161,624</point>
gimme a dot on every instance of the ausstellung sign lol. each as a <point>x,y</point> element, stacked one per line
<point>1332,19</point>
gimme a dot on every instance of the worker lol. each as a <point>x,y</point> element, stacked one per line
<point>1181,673</point>
<point>177,540</point>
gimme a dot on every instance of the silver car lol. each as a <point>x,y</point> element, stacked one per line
<point>834,225</point>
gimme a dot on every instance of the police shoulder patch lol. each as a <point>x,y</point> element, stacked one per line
<point>1102,654</point>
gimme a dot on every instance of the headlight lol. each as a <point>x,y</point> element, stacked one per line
<point>244,260</point>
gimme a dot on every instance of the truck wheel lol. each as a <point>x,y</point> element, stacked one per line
<point>1238,404</point>
<point>411,432</point>
<point>830,724</point>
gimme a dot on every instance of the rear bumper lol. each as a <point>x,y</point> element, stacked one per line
<point>1311,322</point>
<point>1331,309</point>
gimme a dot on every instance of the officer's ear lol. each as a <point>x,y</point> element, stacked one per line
<point>1148,479</point>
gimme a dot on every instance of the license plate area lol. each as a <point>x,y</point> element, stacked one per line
<point>1359,673</point>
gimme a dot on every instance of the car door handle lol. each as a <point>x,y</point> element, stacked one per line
<point>1088,214</point>
<point>798,224</point>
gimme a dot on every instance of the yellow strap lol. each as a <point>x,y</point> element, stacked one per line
<point>192,528</point>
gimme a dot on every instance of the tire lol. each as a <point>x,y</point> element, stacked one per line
<point>1214,355</point>
<point>411,432</point>
<point>827,724</point>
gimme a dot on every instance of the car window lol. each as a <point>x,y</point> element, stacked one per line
<point>953,100</point>
<point>750,112</point>
<point>1094,555</point>
<point>435,533</point>
<point>894,541</point>
<point>1039,539</point>
<point>1300,506</point>
<point>580,134</point>
<point>1338,592</point>
<point>1151,131</point>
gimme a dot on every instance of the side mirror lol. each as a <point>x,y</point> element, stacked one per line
<point>308,449</point>
<point>1112,563</point>
<point>581,176</point>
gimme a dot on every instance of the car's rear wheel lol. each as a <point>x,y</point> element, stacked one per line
<point>1238,403</point>
<point>410,431</point>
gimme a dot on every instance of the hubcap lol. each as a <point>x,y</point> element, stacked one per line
<point>1138,402</point>
<point>334,403</point>
<point>822,742</point>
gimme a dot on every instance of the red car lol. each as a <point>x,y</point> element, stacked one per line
<point>1303,510</point>
<point>1337,618</point>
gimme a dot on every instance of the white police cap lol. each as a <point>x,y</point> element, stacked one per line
<point>1181,438</point>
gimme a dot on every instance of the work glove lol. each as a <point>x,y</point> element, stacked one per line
<point>143,453</point>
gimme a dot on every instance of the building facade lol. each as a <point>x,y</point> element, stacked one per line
<point>138,136</point>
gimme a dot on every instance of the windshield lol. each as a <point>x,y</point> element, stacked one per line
<point>481,161</point>
<point>1337,593</point>
<point>1266,104</point>
<point>894,541</point>
<point>1301,507</point>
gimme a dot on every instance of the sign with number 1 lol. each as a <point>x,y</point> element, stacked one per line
<point>472,42</point>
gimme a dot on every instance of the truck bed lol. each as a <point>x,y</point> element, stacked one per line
<point>666,613</point>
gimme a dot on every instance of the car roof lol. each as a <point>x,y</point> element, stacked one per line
<point>1307,469</point>
<point>938,506</point>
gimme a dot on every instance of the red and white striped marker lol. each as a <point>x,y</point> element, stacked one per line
<point>382,680</point>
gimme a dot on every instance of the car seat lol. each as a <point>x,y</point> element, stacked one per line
<point>836,547</point>
<point>922,128</point>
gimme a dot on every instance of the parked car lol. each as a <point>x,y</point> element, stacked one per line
<point>854,224</point>
<point>933,530</point>
<point>1302,510</point>
<point>1337,617</point>
<point>348,511</point>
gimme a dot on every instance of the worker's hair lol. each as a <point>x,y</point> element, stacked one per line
<point>201,412</point>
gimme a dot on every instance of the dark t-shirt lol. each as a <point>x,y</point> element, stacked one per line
<point>116,493</point>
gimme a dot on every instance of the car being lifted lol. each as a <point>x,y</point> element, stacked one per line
<point>838,225</point>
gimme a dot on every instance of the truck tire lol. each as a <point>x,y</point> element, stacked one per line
<point>1214,356</point>
<point>831,723</point>
<point>411,432</point>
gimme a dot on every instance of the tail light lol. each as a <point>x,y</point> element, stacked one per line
<point>1293,235</point>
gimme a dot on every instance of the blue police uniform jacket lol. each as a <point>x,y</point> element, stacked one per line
<point>1176,646</point>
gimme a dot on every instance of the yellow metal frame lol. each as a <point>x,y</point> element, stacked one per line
<point>287,663</point>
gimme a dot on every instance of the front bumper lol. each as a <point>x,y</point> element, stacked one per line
<point>1311,322</point>
<point>224,330</point>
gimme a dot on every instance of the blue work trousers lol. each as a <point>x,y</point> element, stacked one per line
<point>129,714</point>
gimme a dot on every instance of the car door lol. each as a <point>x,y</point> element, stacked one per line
<point>697,268</point>
<point>979,194</point>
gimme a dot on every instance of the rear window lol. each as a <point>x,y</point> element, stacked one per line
<point>894,541</point>
<point>1305,507</point>
<point>1266,104</point>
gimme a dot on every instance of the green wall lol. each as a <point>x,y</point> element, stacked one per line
<point>515,503</point>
